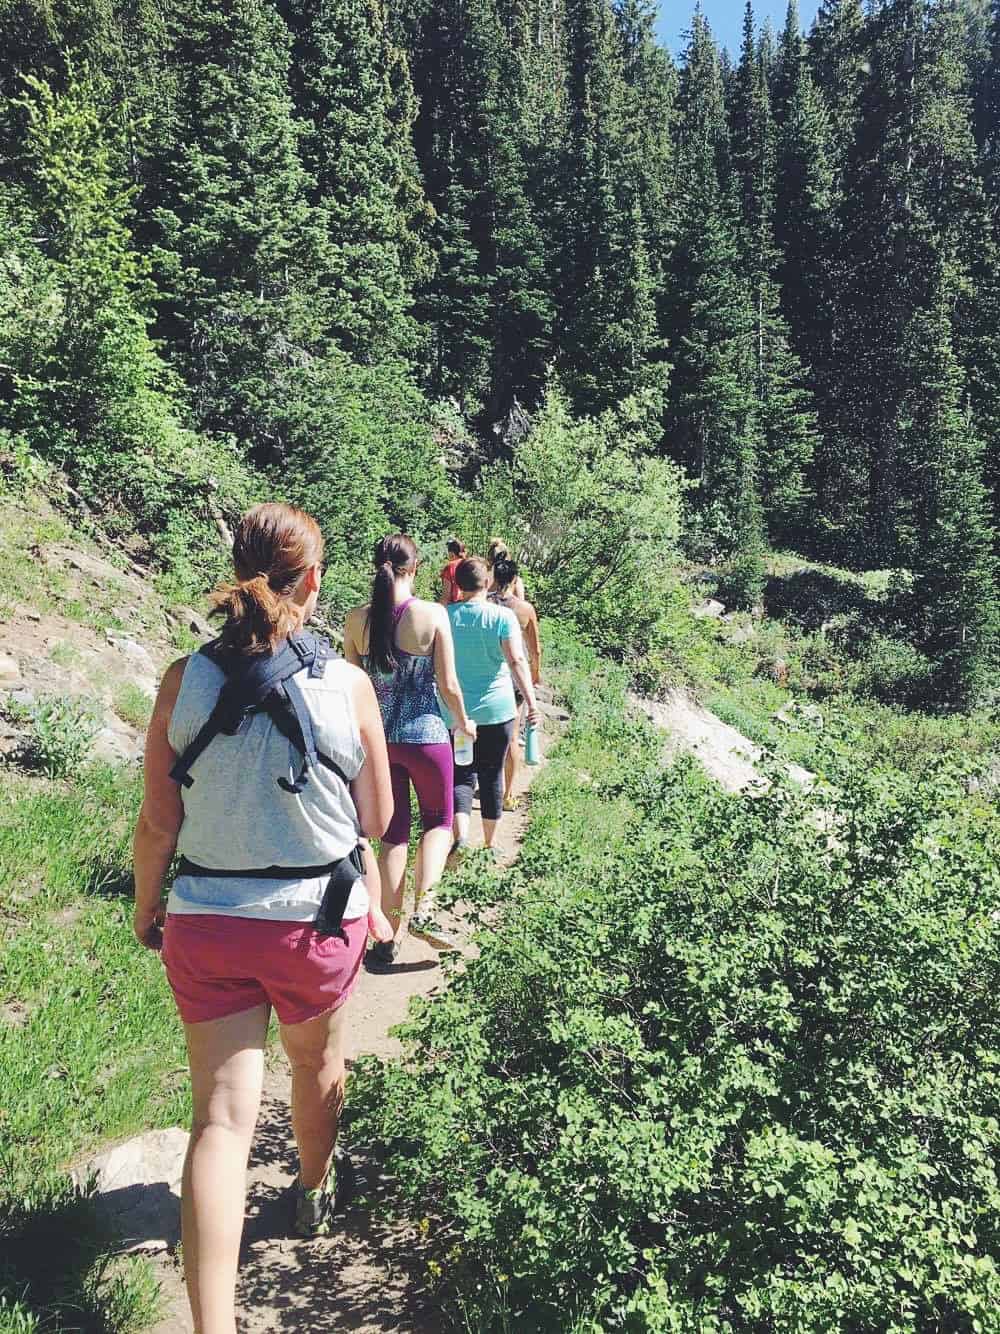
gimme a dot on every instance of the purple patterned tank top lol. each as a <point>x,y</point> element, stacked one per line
<point>408,698</point>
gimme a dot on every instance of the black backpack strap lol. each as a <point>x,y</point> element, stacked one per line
<point>329,920</point>
<point>213,725</point>
<point>285,724</point>
<point>304,729</point>
<point>264,682</point>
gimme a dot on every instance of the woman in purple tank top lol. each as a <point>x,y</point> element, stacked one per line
<point>405,645</point>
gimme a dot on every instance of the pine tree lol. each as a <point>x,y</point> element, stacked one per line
<point>747,571</point>
<point>609,346</point>
<point>649,112</point>
<point>81,376</point>
<point>945,523</point>
<point>785,416</point>
<point>790,64</point>
<point>352,88</point>
<point>711,421</point>
<point>491,310</point>
<point>910,203</point>
<point>837,55</point>
<point>238,249</point>
<point>987,111</point>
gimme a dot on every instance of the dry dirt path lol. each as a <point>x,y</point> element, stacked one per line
<point>726,754</point>
<point>369,1277</point>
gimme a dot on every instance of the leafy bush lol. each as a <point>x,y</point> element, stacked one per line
<point>361,458</point>
<point>891,670</point>
<point>63,728</point>
<point>595,523</point>
<point>724,1063</point>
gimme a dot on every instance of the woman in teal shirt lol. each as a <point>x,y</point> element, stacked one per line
<point>489,659</point>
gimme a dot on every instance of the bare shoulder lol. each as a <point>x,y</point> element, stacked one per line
<point>166,696</point>
<point>171,683</point>
<point>438,615</point>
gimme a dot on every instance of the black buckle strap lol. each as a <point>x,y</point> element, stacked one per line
<point>329,919</point>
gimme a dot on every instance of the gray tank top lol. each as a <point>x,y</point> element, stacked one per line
<point>235,815</point>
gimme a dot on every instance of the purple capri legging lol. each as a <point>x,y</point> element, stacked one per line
<point>431,770</point>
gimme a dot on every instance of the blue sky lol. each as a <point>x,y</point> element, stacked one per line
<point>725,18</point>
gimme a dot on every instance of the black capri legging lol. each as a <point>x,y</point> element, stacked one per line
<point>488,754</point>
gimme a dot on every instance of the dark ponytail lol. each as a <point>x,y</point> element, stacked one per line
<point>393,555</point>
<point>504,573</point>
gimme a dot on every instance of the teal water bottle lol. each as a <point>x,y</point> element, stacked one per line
<point>532,751</point>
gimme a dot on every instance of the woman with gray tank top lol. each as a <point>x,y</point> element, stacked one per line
<point>261,846</point>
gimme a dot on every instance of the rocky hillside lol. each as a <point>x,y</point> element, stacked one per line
<point>86,634</point>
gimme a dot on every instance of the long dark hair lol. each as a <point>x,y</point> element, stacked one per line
<point>504,573</point>
<point>393,555</point>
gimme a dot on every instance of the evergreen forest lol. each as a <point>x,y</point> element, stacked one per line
<point>356,253</point>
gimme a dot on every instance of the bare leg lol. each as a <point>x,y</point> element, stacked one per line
<point>392,871</point>
<point>315,1052</point>
<point>431,857</point>
<point>489,832</point>
<point>227,1070</point>
<point>512,765</point>
<point>461,827</point>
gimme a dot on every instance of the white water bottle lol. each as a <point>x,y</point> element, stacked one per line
<point>463,747</point>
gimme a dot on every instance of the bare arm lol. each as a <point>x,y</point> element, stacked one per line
<point>445,597</point>
<point>372,789</point>
<point>513,651</point>
<point>160,817</point>
<point>447,677</point>
<point>533,644</point>
<point>354,636</point>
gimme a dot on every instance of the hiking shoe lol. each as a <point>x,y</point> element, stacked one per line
<point>458,850</point>
<point>422,924</point>
<point>382,954</point>
<point>315,1209</point>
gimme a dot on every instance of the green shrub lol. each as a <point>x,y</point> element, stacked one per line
<point>594,521</point>
<point>891,670</point>
<point>63,728</point>
<point>724,1063</point>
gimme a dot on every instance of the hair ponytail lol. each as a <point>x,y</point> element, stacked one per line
<point>393,555</point>
<point>273,547</point>
<point>504,572</point>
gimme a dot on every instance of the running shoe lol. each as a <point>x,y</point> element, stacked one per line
<point>315,1209</point>
<point>423,925</point>
<point>382,954</point>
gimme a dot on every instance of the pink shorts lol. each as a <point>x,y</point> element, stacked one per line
<point>217,965</point>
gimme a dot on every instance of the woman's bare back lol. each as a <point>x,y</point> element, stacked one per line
<point>415,632</point>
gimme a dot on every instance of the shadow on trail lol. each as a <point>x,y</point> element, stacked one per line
<point>396,969</point>
<point>369,1275</point>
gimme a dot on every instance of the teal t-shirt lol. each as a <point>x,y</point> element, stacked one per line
<point>479,630</point>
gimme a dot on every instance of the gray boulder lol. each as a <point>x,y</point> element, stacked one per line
<point>138,1188</point>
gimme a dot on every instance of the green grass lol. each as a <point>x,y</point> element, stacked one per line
<point>828,647</point>
<point>93,1050</point>
<point>65,655</point>
<point>134,705</point>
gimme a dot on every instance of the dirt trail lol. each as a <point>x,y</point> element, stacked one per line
<point>726,754</point>
<point>369,1277</point>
